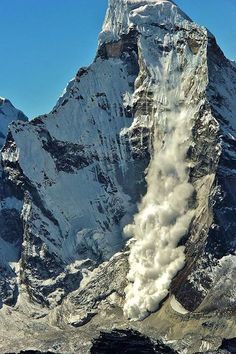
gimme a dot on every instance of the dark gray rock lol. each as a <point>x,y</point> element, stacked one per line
<point>127,342</point>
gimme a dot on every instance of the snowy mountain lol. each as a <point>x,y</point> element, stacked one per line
<point>8,114</point>
<point>125,194</point>
<point>10,206</point>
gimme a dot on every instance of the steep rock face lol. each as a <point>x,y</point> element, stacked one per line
<point>11,229</point>
<point>211,245</point>
<point>160,94</point>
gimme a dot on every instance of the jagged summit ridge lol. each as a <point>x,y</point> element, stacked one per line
<point>142,15</point>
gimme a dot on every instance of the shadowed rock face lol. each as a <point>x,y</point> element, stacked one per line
<point>127,342</point>
<point>213,236</point>
<point>229,344</point>
<point>11,226</point>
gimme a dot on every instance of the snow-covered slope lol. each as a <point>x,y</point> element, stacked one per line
<point>141,145</point>
<point>8,114</point>
<point>10,223</point>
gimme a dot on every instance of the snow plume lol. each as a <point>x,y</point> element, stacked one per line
<point>165,214</point>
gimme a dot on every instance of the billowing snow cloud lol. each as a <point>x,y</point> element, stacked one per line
<point>163,219</point>
<point>165,214</point>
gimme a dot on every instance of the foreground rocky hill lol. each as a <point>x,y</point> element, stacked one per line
<point>122,200</point>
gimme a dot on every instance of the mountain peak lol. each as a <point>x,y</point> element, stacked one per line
<point>2,100</point>
<point>8,114</point>
<point>141,146</point>
<point>123,15</point>
<point>5,101</point>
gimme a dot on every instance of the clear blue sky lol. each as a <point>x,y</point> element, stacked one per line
<point>44,42</point>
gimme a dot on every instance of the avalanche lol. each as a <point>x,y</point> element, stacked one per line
<point>167,209</point>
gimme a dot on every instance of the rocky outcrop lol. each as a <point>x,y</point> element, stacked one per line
<point>228,347</point>
<point>121,342</point>
<point>229,344</point>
